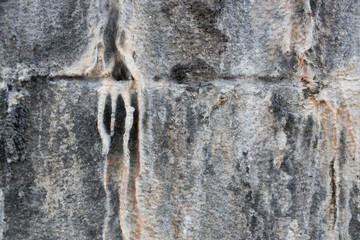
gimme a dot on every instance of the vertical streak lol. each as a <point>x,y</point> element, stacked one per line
<point>113,113</point>
<point>2,214</point>
<point>107,203</point>
<point>105,138</point>
<point>126,160</point>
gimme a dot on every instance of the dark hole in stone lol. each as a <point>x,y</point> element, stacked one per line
<point>156,78</point>
<point>121,72</point>
<point>133,140</point>
<point>116,147</point>
<point>180,72</point>
<point>107,114</point>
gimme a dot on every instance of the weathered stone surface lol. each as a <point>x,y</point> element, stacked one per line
<point>179,119</point>
<point>57,191</point>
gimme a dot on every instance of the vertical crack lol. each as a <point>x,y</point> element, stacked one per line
<point>107,115</point>
<point>333,201</point>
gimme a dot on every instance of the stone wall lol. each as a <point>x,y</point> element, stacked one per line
<point>167,119</point>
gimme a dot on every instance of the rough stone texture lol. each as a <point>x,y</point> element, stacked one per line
<point>203,119</point>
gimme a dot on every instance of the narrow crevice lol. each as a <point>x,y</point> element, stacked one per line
<point>133,140</point>
<point>333,201</point>
<point>107,114</point>
<point>66,77</point>
<point>116,143</point>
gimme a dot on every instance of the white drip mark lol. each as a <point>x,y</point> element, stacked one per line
<point>126,160</point>
<point>128,123</point>
<point>113,111</point>
<point>105,138</point>
<point>114,89</point>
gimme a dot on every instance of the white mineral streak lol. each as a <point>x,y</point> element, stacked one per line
<point>2,84</point>
<point>114,89</point>
<point>128,124</point>
<point>93,65</point>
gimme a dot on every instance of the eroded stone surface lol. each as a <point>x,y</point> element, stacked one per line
<point>179,119</point>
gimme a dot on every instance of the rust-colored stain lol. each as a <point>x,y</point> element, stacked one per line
<point>327,113</point>
<point>124,184</point>
<point>351,132</point>
<point>330,117</point>
<point>133,85</point>
<point>161,84</point>
<point>114,161</point>
<point>301,59</point>
<point>315,102</point>
<point>334,118</point>
<point>296,34</point>
<point>139,223</point>
<point>107,75</point>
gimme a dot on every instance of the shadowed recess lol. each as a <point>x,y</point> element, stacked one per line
<point>116,147</point>
<point>121,72</point>
<point>133,140</point>
<point>107,114</point>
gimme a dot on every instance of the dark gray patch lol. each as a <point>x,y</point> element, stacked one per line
<point>180,73</point>
<point>120,72</point>
<point>354,225</point>
<point>279,105</point>
<point>291,130</point>
<point>163,140</point>
<point>192,125</point>
<point>134,56</point>
<point>3,114</point>
<point>292,187</point>
<point>287,64</point>
<point>332,19</point>
<point>254,225</point>
<point>317,199</point>
<point>275,205</point>
<point>206,16</point>
<point>192,72</point>
<point>343,148</point>
<point>122,38</point>
<point>110,33</point>
<point>313,6</point>
<point>341,193</point>
<point>13,132</point>
<point>22,203</point>
<point>58,41</point>
<point>209,169</point>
